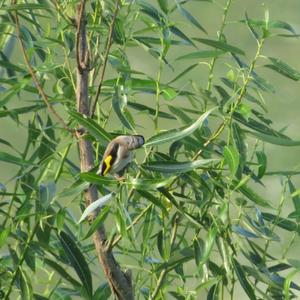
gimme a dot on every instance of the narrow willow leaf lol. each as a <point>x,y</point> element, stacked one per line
<point>251,195</point>
<point>189,16</point>
<point>244,232</point>
<point>148,223</point>
<point>23,6</point>
<point>97,222</point>
<point>232,158</point>
<point>151,11</point>
<point>160,244</point>
<point>288,283</point>
<point>283,69</point>
<point>169,93</point>
<point>176,134</point>
<point>149,184</point>
<point>201,54</point>
<point>150,110</point>
<point>155,200</point>
<point>163,4</point>
<point>11,67</point>
<point>296,200</point>
<point>97,179</point>
<point>78,262</point>
<point>243,279</point>
<point>178,257</point>
<point>25,285</point>
<point>21,110</point>
<point>276,140</point>
<point>75,189</point>
<point>180,114</point>
<point>187,70</point>
<point>95,205</point>
<point>46,194</point>
<point>180,34</point>
<point>3,236</point>
<point>208,245</point>
<point>281,222</point>
<point>178,167</point>
<point>62,272</point>
<point>92,126</point>
<point>198,251</point>
<point>9,158</point>
<point>262,163</point>
<point>121,112</point>
<point>221,45</point>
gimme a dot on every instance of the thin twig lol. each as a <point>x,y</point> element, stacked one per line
<point>165,271</point>
<point>108,46</point>
<point>33,76</point>
<point>78,33</point>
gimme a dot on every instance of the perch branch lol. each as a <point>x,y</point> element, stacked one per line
<point>119,281</point>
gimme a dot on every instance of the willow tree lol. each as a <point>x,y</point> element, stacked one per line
<point>190,219</point>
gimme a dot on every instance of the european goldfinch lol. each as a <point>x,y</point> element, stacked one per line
<point>118,154</point>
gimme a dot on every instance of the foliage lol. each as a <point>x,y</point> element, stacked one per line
<point>189,220</point>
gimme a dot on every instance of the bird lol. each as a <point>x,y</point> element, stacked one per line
<point>119,154</point>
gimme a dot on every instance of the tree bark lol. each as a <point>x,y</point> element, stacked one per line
<point>120,282</point>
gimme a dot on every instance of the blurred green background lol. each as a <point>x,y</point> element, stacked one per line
<point>283,106</point>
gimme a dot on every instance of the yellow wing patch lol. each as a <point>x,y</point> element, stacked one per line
<point>107,164</point>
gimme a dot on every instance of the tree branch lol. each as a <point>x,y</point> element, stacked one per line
<point>108,45</point>
<point>120,282</point>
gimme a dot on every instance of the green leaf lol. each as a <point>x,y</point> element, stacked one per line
<point>232,158</point>
<point>177,134</point>
<point>97,179</point>
<point>92,126</point>
<point>178,167</point>
<point>155,200</point>
<point>11,67</point>
<point>62,272</point>
<point>243,279</point>
<point>188,69</point>
<point>208,246</point>
<point>287,284</point>
<point>24,6</point>
<point>189,16</point>
<point>25,285</point>
<point>21,110</point>
<point>276,140</point>
<point>149,184</point>
<point>78,262</point>
<point>201,54</point>
<point>281,222</point>
<point>46,194</point>
<point>251,195</point>
<point>180,34</point>
<point>296,200</point>
<point>3,236</point>
<point>9,158</point>
<point>95,205</point>
<point>121,111</point>
<point>169,93</point>
<point>178,257</point>
<point>163,4</point>
<point>97,222</point>
<point>150,110</point>
<point>221,45</point>
<point>262,161</point>
<point>283,69</point>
